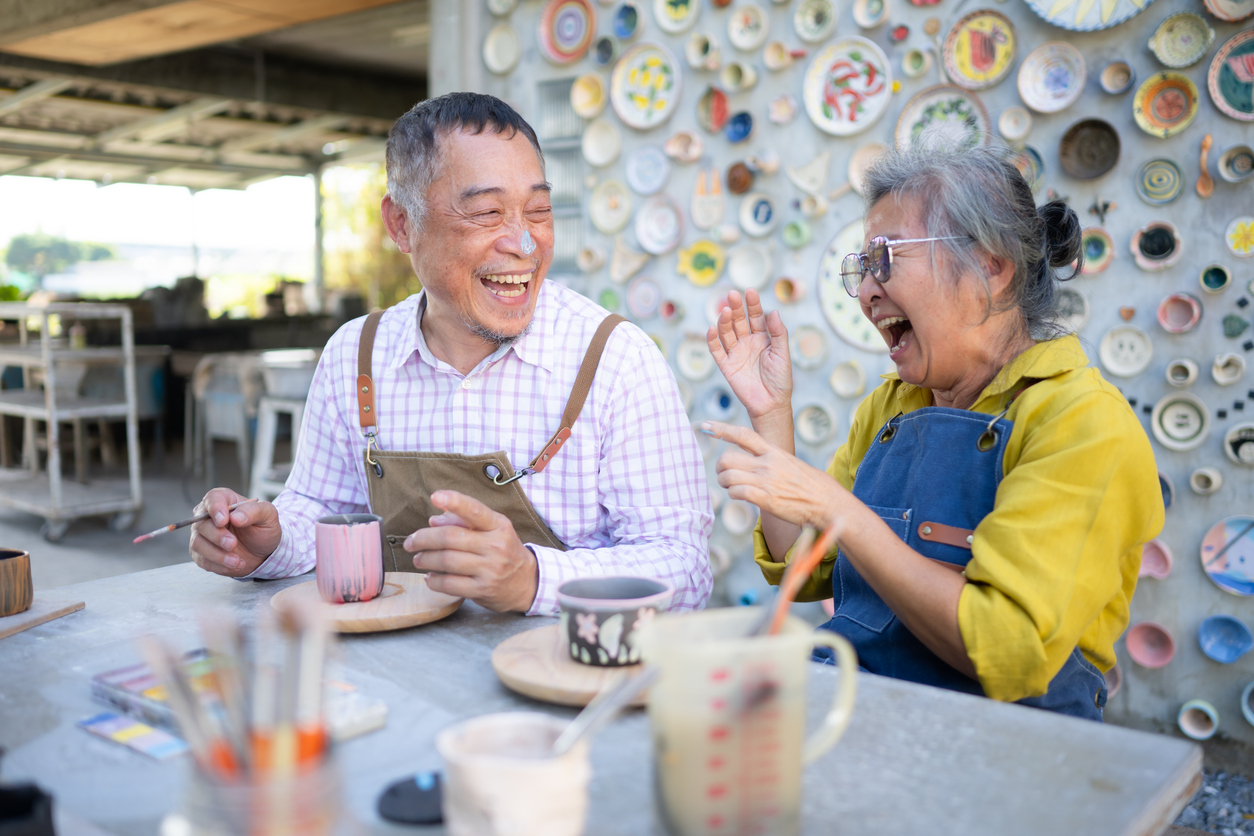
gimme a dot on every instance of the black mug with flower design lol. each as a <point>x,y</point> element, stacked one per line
<point>602,616</point>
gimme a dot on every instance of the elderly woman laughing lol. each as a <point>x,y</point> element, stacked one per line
<point>990,503</point>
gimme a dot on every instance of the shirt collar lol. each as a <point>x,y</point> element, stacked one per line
<point>1044,360</point>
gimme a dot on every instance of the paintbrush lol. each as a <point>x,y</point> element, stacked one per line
<point>797,573</point>
<point>184,523</point>
<point>225,641</point>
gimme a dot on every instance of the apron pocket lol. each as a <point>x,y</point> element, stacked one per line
<point>855,599</point>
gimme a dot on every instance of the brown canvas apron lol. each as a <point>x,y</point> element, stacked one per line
<point>400,484</point>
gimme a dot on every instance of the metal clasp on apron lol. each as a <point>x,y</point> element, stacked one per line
<point>988,438</point>
<point>370,445</point>
<point>496,477</point>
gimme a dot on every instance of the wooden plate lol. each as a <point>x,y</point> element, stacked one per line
<point>405,602</point>
<point>536,664</point>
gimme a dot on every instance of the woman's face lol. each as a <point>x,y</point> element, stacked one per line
<point>936,329</point>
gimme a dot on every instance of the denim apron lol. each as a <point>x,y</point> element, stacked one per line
<point>932,475</point>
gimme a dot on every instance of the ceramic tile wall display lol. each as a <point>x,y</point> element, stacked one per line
<point>609,208</point>
<point>659,225</point>
<point>1230,11</point>
<point>566,30</point>
<point>847,86</point>
<point>625,262</point>
<point>1181,373</point>
<point>702,263</point>
<point>644,297</point>
<point>1206,480</point>
<point>915,62</point>
<point>943,115</point>
<point>1180,421</point>
<point>1117,77</point>
<point>1165,104</point>
<point>1087,15</point>
<point>1215,278</point>
<point>870,13</point>
<point>979,50</point>
<point>1014,124</point>
<point>588,95</point>
<point>693,358</point>
<point>848,380</point>
<point>626,21</point>
<point>1228,369</point>
<point>841,310</point>
<point>739,127</point>
<point>1236,163</point>
<point>684,147</point>
<point>602,143</point>
<point>1239,237</point>
<point>815,424</point>
<point>501,49</point>
<point>808,347</point>
<point>647,170</point>
<point>1179,313</point>
<point>644,88</point>
<point>1052,77</point>
<point>1159,181</point>
<point>748,27</point>
<point>1239,444</point>
<point>1099,250</point>
<point>749,265</point>
<point>1089,149</point>
<point>814,21</point>
<point>676,16</point>
<point>1181,40</point>
<point>1228,552</point>
<point>1198,719</point>
<point>1157,246</point>
<point>712,112</point>
<point>1125,351</point>
<point>500,8</point>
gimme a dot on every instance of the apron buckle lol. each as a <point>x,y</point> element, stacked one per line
<point>496,477</point>
<point>370,445</point>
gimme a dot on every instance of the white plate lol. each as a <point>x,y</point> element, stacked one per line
<point>501,49</point>
<point>747,27</point>
<point>815,424</point>
<point>1125,351</point>
<point>659,225</point>
<point>814,20</point>
<point>847,86</point>
<point>693,358</point>
<point>1014,124</point>
<point>749,265</point>
<point>848,380</point>
<point>758,214</point>
<point>1051,77</point>
<point>647,170</point>
<point>644,297</point>
<point>610,207</point>
<point>588,95</point>
<point>808,347</point>
<point>602,143</point>
<point>1180,421</point>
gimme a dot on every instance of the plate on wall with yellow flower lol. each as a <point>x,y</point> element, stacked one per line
<point>676,16</point>
<point>1087,15</point>
<point>841,310</point>
<point>1239,236</point>
<point>702,263</point>
<point>644,88</point>
<point>848,86</point>
<point>979,50</point>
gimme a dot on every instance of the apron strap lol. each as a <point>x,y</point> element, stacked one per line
<point>365,386</point>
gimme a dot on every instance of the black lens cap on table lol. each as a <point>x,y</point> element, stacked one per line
<point>414,800</point>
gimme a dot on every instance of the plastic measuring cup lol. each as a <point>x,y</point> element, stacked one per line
<point>728,716</point>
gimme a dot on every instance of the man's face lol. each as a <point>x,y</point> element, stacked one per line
<point>470,255</point>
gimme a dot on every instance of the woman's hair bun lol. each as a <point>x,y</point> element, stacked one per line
<point>1062,234</point>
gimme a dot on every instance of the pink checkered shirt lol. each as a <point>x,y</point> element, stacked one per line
<point>627,493</point>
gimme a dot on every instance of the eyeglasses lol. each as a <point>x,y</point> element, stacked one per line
<point>876,260</point>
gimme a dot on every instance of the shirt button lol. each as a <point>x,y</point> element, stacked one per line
<point>466,384</point>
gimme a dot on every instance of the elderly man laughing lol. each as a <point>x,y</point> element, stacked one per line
<point>511,434</point>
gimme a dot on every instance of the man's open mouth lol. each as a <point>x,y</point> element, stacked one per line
<point>507,286</point>
<point>898,331</point>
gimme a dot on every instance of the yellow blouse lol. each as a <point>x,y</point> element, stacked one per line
<point>1055,563</point>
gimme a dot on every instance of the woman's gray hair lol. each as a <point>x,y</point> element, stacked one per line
<point>413,150</point>
<point>978,196</point>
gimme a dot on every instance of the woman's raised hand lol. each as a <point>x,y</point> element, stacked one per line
<point>751,350</point>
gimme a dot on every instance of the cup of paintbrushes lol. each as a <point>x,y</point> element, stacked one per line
<point>350,557</point>
<point>305,802</point>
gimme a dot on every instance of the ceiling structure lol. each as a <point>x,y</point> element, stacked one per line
<point>316,82</point>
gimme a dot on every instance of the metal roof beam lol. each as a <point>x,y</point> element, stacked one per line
<point>32,93</point>
<point>262,139</point>
<point>161,125</point>
<point>40,156</point>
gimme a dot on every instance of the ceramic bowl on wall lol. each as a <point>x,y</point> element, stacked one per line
<point>1224,638</point>
<point>693,358</point>
<point>1051,77</point>
<point>1227,553</point>
<point>1179,313</point>
<point>1215,278</point>
<point>1014,124</point>
<point>684,147</point>
<point>647,170</point>
<point>675,17</point>
<point>1181,373</point>
<point>1165,104</point>
<point>1206,480</point>
<point>915,62</point>
<point>814,20</point>
<point>659,225</point>
<point>588,95</point>
<point>808,347</point>
<point>870,13</point>
<point>788,291</point>
<point>1117,77</point>
<point>1181,40</point>
<point>1236,163</point>
<point>1150,645</point>
<point>848,380</point>
<point>1099,250</point>
<point>1156,560</point>
<point>1198,719</point>
<point>1230,78</point>
<point>1167,489</point>
<point>605,51</point>
<point>1125,351</point>
<point>626,21</point>
<point>1157,246</point>
<point>1159,181</point>
<point>1180,421</point>
<point>1227,369</point>
<point>602,143</point>
<point>1089,149</point>
<point>758,214</point>
<point>748,27</point>
<point>501,49</point>
<point>749,265</point>
<point>847,86</point>
<point>1239,444</point>
<point>815,424</point>
<point>609,207</point>
<point>644,297</point>
<point>739,517</point>
<point>739,127</point>
<point>979,49</point>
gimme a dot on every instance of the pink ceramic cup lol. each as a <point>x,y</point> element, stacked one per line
<point>350,557</point>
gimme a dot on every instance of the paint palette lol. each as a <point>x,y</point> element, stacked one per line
<point>1228,555</point>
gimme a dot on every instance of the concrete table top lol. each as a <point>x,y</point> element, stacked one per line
<point>915,759</point>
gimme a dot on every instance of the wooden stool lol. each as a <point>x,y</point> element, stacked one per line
<point>268,478</point>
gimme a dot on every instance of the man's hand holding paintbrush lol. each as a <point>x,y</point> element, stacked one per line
<point>233,541</point>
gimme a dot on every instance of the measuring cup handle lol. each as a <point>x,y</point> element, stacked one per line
<point>837,719</point>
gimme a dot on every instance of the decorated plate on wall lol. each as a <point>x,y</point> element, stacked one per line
<point>1051,77</point>
<point>588,95</point>
<point>1181,40</point>
<point>848,86</point>
<point>501,49</point>
<point>644,88</point>
<point>609,207</point>
<point>1228,555</point>
<point>702,263</point>
<point>1230,10</point>
<point>676,16</point>
<point>1239,236</point>
<point>748,27</point>
<point>814,20</point>
<point>758,215</point>
<point>979,50</point>
<point>647,170</point>
<point>566,30</point>
<point>1165,104</point>
<point>1180,421</point>
<point>644,297</point>
<point>1125,351</point>
<point>1099,250</point>
<point>749,265</point>
<point>943,114</point>
<point>1231,76</point>
<point>841,310</point>
<point>808,347</point>
<point>659,225</point>
<point>1159,181</point>
<point>601,143</point>
<point>1087,15</point>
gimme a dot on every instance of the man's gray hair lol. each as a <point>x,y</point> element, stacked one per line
<point>979,196</point>
<point>413,150</point>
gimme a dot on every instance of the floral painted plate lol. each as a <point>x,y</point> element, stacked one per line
<point>814,20</point>
<point>1051,77</point>
<point>943,114</point>
<point>1159,181</point>
<point>1165,104</point>
<point>702,263</point>
<point>848,86</point>
<point>1181,40</point>
<point>1087,15</point>
<point>676,16</point>
<point>659,225</point>
<point>566,30</point>
<point>747,27</point>
<point>1228,554</point>
<point>644,88</point>
<point>979,50</point>
<point>1239,236</point>
<point>1230,10</point>
<point>1231,76</point>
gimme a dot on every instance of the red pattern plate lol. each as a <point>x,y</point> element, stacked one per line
<point>1230,79</point>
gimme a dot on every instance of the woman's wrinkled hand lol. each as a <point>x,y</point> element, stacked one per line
<point>751,350</point>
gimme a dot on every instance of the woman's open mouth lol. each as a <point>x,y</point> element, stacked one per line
<point>507,286</point>
<point>898,331</point>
